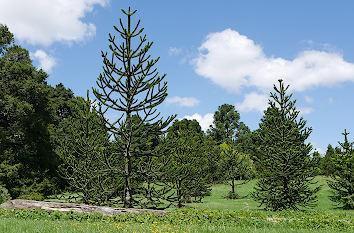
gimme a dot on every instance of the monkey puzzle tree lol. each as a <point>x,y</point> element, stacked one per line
<point>132,87</point>
<point>83,152</point>
<point>186,170</point>
<point>283,161</point>
<point>342,183</point>
<point>234,166</point>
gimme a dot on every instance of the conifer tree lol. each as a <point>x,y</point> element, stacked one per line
<point>342,183</point>
<point>236,167</point>
<point>27,160</point>
<point>327,166</point>
<point>185,168</point>
<point>83,151</point>
<point>131,87</point>
<point>226,123</point>
<point>283,160</point>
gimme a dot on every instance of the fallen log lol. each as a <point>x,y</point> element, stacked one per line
<point>79,208</point>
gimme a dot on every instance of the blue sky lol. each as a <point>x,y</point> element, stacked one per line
<point>213,52</point>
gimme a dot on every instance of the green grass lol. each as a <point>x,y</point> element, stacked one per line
<point>43,226</point>
<point>217,200</point>
<point>215,214</point>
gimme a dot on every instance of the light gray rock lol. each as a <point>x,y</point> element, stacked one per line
<point>67,207</point>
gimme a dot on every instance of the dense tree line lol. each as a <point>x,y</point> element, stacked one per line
<point>31,111</point>
<point>52,141</point>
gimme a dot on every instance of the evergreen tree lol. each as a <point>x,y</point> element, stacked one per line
<point>27,159</point>
<point>6,38</point>
<point>83,151</point>
<point>327,166</point>
<point>236,167</point>
<point>342,183</point>
<point>283,160</point>
<point>212,154</point>
<point>226,123</point>
<point>185,165</point>
<point>131,86</point>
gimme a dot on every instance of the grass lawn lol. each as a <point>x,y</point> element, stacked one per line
<point>217,201</point>
<point>215,214</point>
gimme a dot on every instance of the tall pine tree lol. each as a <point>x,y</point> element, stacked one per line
<point>132,87</point>
<point>283,161</point>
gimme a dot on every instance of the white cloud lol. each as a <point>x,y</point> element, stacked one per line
<point>331,100</point>
<point>253,101</point>
<point>204,121</point>
<point>173,51</point>
<point>183,101</point>
<point>44,22</point>
<point>305,110</point>
<point>234,61</point>
<point>308,99</point>
<point>45,61</point>
<point>318,149</point>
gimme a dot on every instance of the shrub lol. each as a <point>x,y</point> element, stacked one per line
<point>32,196</point>
<point>4,195</point>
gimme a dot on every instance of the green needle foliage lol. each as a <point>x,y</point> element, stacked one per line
<point>283,160</point>
<point>186,167</point>
<point>236,167</point>
<point>225,124</point>
<point>342,183</point>
<point>132,88</point>
<point>83,151</point>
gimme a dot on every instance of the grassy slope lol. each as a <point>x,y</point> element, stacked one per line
<point>219,191</point>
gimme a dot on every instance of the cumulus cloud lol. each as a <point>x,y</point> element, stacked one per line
<point>234,61</point>
<point>253,101</point>
<point>44,22</point>
<point>46,62</point>
<point>183,101</point>
<point>204,121</point>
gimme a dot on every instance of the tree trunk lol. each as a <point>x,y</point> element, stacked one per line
<point>179,193</point>
<point>233,186</point>
<point>127,186</point>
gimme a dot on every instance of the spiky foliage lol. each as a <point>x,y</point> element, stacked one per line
<point>131,87</point>
<point>83,152</point>
<point>236,167</point>
<point>283,160</point>
<point>342,183</point>
<point>185,164</point>
<point>327,166</point>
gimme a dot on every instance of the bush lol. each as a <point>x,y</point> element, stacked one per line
<point>4,195</point>
<point>32,196</point>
